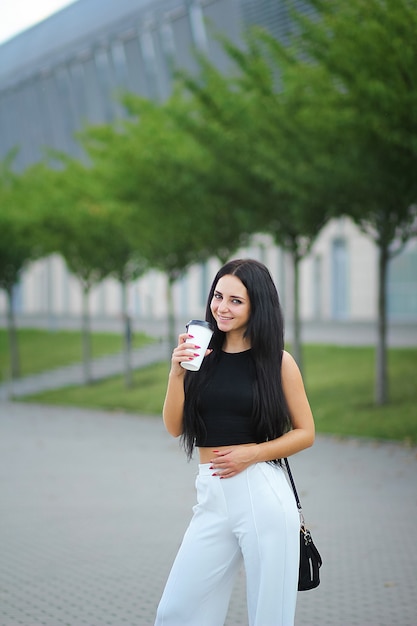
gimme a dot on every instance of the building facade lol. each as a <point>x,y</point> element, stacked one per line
<point>69,70</point>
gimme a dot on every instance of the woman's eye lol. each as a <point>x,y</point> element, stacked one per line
<point>217,296</point>
<point>236,301</point>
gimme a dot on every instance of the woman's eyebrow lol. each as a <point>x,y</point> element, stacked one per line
<point>233,297</point>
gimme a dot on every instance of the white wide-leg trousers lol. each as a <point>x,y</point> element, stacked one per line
<point>252,515</point>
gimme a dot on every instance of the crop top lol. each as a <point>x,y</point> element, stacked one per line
<point>226,403</point>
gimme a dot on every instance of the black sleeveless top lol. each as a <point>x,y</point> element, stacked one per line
<point>226,403</point>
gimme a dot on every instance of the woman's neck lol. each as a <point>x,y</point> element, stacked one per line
<point>233,343</point>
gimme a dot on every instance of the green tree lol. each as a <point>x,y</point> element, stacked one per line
<point>125,263</point>
<point>93,234</point>
<point>152,166</point>
<point>77,227</point>
<point>20,240</point>
<point>366,52</point>
<point>262,142</point>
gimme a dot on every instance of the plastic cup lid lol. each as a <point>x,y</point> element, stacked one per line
<point>200,323</point>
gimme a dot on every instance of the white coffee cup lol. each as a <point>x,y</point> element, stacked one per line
<point>201,332</point>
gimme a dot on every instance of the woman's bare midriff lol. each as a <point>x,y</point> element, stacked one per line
<point>207,454</point>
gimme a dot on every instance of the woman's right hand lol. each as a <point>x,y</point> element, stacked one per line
<point>186,350</point>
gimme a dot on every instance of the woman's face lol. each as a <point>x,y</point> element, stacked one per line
<point>230,304</point>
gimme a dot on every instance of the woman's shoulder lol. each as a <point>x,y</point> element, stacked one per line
<point>287,357</point>
<point>289,364</point>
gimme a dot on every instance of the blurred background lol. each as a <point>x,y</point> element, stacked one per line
<point>145,142</point>
<point>66,71</point>
<point>142,144</point>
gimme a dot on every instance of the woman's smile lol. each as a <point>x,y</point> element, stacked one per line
<point>230,304</point>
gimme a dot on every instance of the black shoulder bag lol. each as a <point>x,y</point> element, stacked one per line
<point>310,559</point>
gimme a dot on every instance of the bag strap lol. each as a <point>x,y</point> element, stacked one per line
<point>297,499</point>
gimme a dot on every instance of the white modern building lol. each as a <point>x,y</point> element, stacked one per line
<point>65,72</point>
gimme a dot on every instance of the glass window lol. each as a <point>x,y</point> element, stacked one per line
<point>135,66</point>
<point>198,28</point>
<point>107,84</point>
<point>402,285</point>
<point>17,298</point>
<point>167,41</point>
<point>94,102</point>
<point>148,55</point>
<point>339,271</point>
<point>204,284</point>
<point>119,63</point>
<point>183,37</point>
<point>317,286</point>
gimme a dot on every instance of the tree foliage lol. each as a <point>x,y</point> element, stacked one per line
<point>81,226</point>
<point>20,239</point>
<point>366,52</point>
<point>160,174</point>
<point>262,141</point>
<point>320,125</point>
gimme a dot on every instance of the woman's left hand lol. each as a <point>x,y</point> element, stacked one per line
<point>231,461</point>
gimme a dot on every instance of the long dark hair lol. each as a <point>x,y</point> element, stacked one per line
<point>265,332</point>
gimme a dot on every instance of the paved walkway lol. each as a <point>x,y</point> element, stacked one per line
<point>338,332</point>
<point>69,375</point>
<point>93,507</point>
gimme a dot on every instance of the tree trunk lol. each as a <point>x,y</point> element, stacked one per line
<point>381,376</point>
<point>86,337</point>
<point>296,341</point>
<point>13,339</point>
<point>127,339</point>
<point>172,331</point>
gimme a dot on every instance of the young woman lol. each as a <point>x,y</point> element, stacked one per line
<point>245,409</point>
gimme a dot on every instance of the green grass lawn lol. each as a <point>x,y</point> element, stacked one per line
<point>339,383</point>
<point>146,396</point>
<point>42,350</point>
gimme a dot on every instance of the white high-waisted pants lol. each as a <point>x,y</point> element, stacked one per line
<point>252,515</point>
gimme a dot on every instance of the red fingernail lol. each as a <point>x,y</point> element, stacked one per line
<point>192,336</point>
<point>196,354</point>
<point>197,347</point>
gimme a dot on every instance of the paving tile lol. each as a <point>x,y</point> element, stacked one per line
<point>93,507</point>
